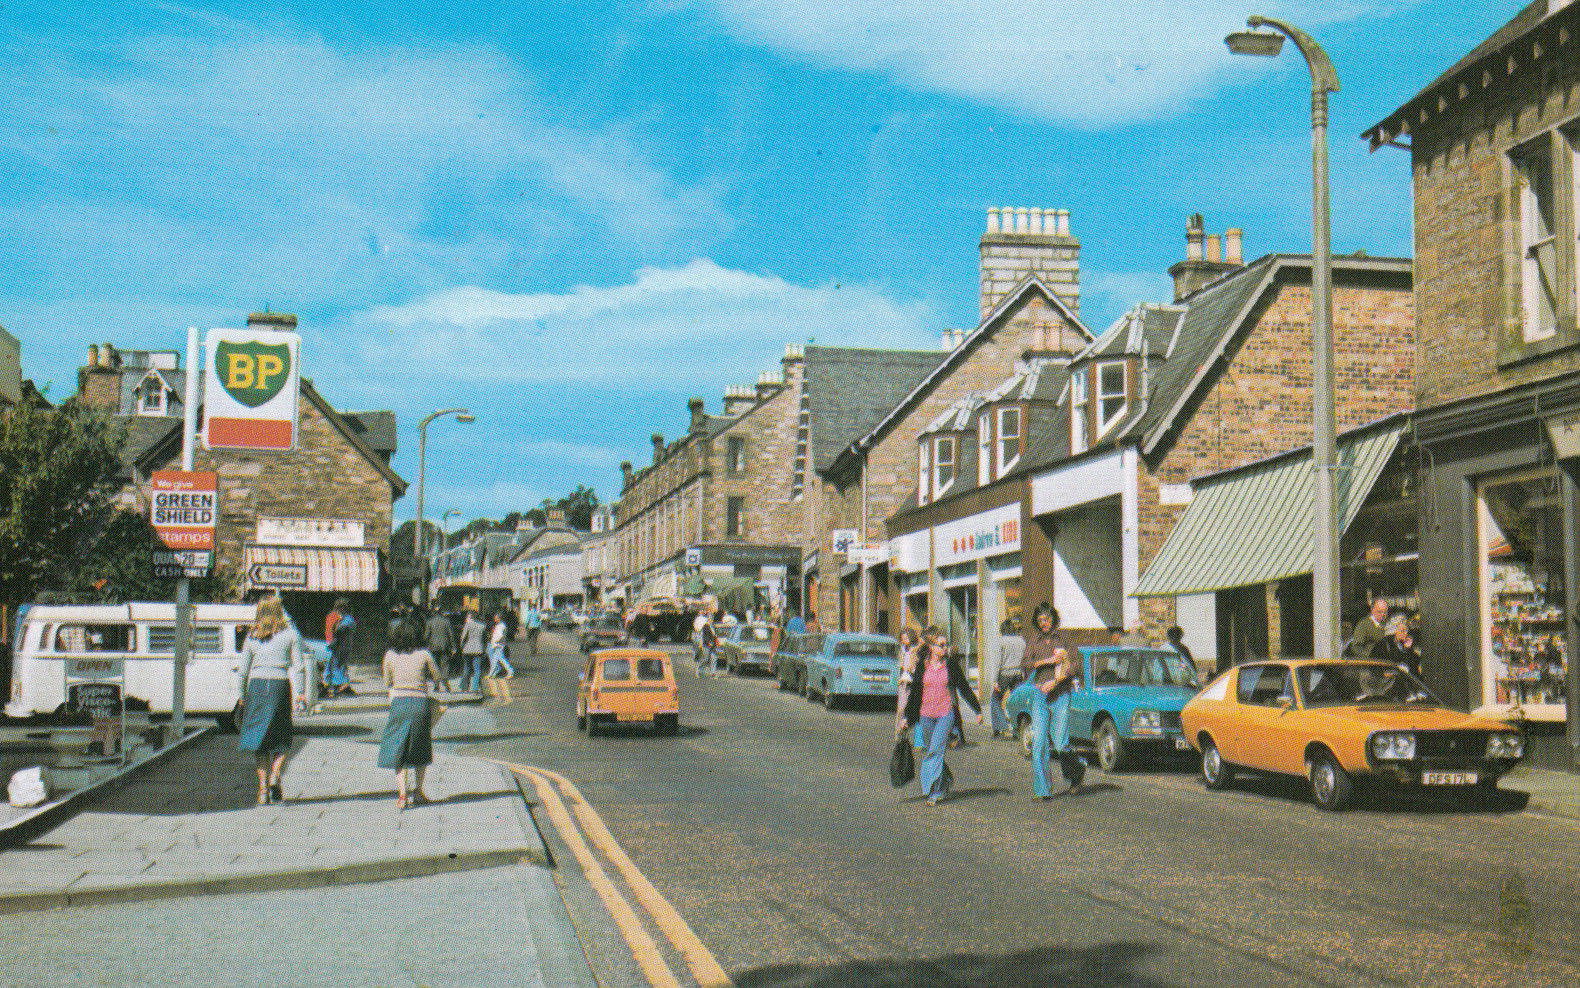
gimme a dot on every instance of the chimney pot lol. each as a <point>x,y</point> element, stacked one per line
<point>93,354</point>
<point>1036,220</point>
<point>1022,219</point>
<point>1193,237</point>
<point>1064,222</point>
<point>1232,247</point>
<point>1214,249</point>
<point>993,221</point>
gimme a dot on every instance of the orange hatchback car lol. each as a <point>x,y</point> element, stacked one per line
<point>628,686</point>
<point>1338,722</point>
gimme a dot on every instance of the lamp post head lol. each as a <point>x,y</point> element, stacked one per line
<point>466,417</point>
<point>1264,43</point>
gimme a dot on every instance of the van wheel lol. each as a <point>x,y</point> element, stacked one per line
<point>829,701</point>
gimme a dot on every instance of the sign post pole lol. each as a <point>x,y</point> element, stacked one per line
<point>183,644</point>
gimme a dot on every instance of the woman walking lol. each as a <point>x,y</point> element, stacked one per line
<point>500,670</point>
<point>408,734</point>
<point>936,683</point>
<point>272,679</point>
<point>907,656</point>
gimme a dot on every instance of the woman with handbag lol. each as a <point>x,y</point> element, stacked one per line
<point>936,683</point>
<point>408,734</point>
<point>272,680</point>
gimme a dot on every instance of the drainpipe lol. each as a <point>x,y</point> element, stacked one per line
<point>866,613</point>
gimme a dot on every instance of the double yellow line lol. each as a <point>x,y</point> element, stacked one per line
<point>550,787</point>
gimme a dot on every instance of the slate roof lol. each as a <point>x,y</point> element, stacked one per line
<point>376,429</point>
<point>850,391</point>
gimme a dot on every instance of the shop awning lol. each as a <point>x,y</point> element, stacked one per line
<point>289,567</point>
<point>1253,525</point>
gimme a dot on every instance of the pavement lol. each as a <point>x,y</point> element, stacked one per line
<point>187,824</point>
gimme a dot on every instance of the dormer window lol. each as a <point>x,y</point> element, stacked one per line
<point>152,399</point>
<point>1080,438</point>
<point>1008,439</point>
<point>943,464</point>
<point>1112,396</point>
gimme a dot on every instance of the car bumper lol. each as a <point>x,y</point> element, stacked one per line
<point>1433,772</point>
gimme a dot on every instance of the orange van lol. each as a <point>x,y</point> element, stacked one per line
<point>628,686</point>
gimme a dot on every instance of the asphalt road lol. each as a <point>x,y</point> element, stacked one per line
<point>770,825</point>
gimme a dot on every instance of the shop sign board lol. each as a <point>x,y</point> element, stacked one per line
<point>990,533</point>
<point>844,538</point>
<point>251,381</point>
<point>281,576</point>
<point>868,554</point>
<point>184,508</point>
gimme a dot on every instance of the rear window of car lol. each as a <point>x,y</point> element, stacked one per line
<point>885,650</point>
<point>649,669</point>
<point>616,669</point>
<point>1263,686</point>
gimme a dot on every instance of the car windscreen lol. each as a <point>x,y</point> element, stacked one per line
<point>650,669</point>
<point>1343,684</point>
<point>883,650</point>
<point>616,669</point>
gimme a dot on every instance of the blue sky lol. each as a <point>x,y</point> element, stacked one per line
<point>572,217</point>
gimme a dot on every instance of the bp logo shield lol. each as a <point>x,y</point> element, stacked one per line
<point>252,372</point>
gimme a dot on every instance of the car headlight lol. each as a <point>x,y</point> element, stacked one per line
<point>1393,745</point>
<point>1146,722</point>
<point>1505,744</point>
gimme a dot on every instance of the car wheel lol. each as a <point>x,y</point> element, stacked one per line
<point>828,698</point>
<point>592,727</point>
<point>667,724</point>
<point>1331,787</point>
<point>581,721</point>
<point>803,686</point>
<point>1110,747</point>
<point>1023,733</point>
<point>1215,772</point>
<point>782,684</point>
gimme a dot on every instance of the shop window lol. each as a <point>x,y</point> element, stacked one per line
<point>1523,588</point>
<point>735,456</point>
<point>1111,395</point>
<point>1080,436</point>
<point>735,518</point>
<point>943,464</point>
<point>1008,439</point>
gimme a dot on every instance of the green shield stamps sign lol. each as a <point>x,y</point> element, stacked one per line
<point>253,372</point>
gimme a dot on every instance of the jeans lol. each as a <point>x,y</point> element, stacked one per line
<point>335,669</point>
<point>932,734</point>
<point>1050,725</point>
<point>472,673</point>
<point>498,665</point>
<point>1000,721</point>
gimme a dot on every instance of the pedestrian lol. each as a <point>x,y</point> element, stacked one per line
<point>705,639</point>
<point>1176,636</point>
<point>1050,664</point>
<point>1369,631</point>
<point>534,624</point>
<point>500,671</point>
<point>339,632</point>
<point>796,625</point>
<point>473,634</point>
<point>408,734</point>
<point>906,654</point>
<point>1003,673</point>
<point>1399,647</point>
<point>937,684</point>
<point>272,678</point>
<point>441,642</point>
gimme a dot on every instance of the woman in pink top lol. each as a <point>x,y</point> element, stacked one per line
<point>935,683</point>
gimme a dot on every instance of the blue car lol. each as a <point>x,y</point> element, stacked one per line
<point>845,666</point>
<point>1127,703</point>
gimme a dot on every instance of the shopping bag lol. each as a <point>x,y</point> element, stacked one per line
<point>902,764</point>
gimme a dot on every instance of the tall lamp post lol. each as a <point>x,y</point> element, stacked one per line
<point>461,415</point>
<point>1325,551</point>
<point>444,526</point>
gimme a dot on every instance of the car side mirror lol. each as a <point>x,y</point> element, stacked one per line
<point>581,677</point>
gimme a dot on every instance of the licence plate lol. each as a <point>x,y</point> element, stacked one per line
<point>626,717</point>
<point>1449,778</point>
<point>881,677</point>
<point>1180,744</point>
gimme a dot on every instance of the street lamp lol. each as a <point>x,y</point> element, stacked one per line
<point>1325,552</point>
<point>461,415</point>
<point>445,525</point>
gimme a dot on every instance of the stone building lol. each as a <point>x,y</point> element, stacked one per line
<point>318,517</point>
<point>1493,144</point>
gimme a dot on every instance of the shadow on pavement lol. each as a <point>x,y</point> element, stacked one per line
<point>1109,964</point>
<point>481,738</point>
<point>388,795</point>
<point>1092,789</point>
<point>1383,798</point>
<point>315,730</point>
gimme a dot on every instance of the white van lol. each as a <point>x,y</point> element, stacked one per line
<point>143,635</point>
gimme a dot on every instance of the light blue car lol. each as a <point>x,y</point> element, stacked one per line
<point>1127,704</point>
<point>846,666</point>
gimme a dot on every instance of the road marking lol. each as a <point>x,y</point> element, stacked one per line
<point>643,948</point>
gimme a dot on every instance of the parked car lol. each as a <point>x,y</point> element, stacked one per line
<point>621,686</point>
<point>560,617</point>
<point>789,663</point>
<point>1127,704</point>
<point>846,665</point>
<point>605,631</point>
<point>745,648</point>
<point>1333,722</point>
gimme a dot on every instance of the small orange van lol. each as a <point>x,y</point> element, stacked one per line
<point>628,686</point>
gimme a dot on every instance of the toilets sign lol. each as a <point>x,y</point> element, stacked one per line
<point>251,379</point>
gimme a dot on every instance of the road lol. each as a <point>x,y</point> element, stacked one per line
<point>769,824</point>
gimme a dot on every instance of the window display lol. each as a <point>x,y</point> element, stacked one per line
<point>1524,653</point>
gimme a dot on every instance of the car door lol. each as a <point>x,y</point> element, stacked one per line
<point>1270,724</point>
<point>1083,701</point>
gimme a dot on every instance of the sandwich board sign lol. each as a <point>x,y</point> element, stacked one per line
<point>251,380</point>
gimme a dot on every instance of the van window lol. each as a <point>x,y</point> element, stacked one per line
<point>93,637</point>
<point>650,669</point>
<point>162,638</point>
<point>616,669</point>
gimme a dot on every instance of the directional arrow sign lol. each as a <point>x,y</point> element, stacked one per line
<point>287,575</point>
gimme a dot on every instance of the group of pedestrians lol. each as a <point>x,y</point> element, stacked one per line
<point>933,683</point>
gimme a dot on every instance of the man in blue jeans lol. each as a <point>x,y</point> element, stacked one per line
<point>1053,666</point>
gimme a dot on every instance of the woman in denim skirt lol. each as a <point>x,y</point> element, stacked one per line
<point>408,734</point>
<point>272,679</point>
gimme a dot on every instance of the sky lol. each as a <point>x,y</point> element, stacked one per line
<point>572,217</point>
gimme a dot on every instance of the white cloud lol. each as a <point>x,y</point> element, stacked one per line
<point>699,322</point>
<point>1089,64</point>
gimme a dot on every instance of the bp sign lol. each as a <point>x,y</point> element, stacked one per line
<point>251,379</point>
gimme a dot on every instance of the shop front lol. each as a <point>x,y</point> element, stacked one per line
<point>1499,550</point>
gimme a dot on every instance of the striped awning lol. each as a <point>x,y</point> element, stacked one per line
<point>290,567</point>
<point>1253,525</point>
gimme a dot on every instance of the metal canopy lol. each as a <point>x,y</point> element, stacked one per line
<point>1254,525</point>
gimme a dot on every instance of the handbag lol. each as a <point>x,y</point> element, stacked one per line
<point>902,763</point>
<point>435,711</point>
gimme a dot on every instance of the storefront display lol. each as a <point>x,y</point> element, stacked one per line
<point>1524,654</point>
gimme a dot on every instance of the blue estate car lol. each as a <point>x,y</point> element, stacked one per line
<point>1127,703</point>
<point>839,666</point>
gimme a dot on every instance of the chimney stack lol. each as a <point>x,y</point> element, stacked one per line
<point>658,447</point>
<point>769,384</point>
<point>1205,260</point>
<point>738,398</point>
<point>1021,242</point>
<point>277,321</point>
<point>626,475</point>
<point>699,418</point>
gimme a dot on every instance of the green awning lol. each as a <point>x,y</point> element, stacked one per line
<point>733,593</point>
<point>1253,525</point>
